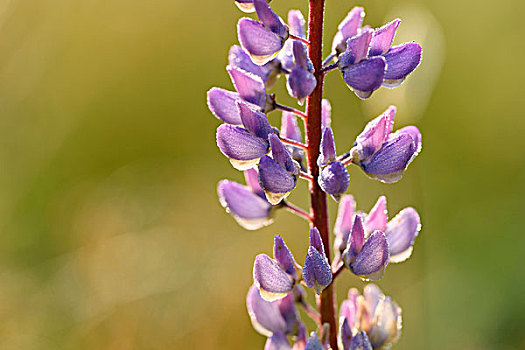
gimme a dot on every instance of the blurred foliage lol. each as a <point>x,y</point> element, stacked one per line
<point>111,233</point>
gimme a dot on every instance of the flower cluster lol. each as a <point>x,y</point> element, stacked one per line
<point>275,159</point>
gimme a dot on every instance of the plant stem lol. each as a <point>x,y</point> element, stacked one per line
<point>293,143</point>
<point>291,36</point>
<point>297,211</point>
<point>313,139</point>
<point>290,109</point>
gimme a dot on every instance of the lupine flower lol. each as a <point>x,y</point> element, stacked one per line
<point>278,175</point>
<point>262,39</point>
<point>314,343</point>
<point>349,27</point>
<point>251,88</point>
<point>360,342</point>
<point>290,130</point>
<point>333,178</point>
<point>275,316</point>
<point>275,277</point>
<point>268,72</point>
<point>296,25</point>
<point>343,224</point>
<point>247,204</point>
<point>366,257</point>
<point>245,146</point>
<point>384,155</point>
<point>326,113</point>
<point>317,273</point>
<point>301,80</point>
<point>246,5</point>
<point>277,341</point>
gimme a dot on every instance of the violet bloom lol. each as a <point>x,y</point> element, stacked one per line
<point>247,204</point>
<point>349,27</point>
<point>268,72</point>
<point>317,273</point>
<point>367,257</point>
<point>276,277</point>
<point>326,113</point>
<point>245,146</point>
<point>262,39</point>
<point>301,80</point>
<point>296,25</point>
<point>384,155</point>
<point>291,130</point>
<point>343,224</point>
<point>314,343</point>
<point>278,174</point>
<point>333,178</point>
<point>251,88</point>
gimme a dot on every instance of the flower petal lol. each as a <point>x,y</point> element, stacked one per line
<point>378,216</point>
<point>366,76</point>
<point>284,257</point>
<point>296,23</point>
<point>383,38</point>
<point>316,270</point>
<point>272,281</point>
<point>314,343</point>
<point>401,232</point>
<point>416,136</point>
<point>275,181</point>
<point>374,135</point>
<point>346,334</point>
<point>281,155</point>
<point>326,113</point>
<point>356,240</point>
<point>238,58</point>
<point>289,127</point>
<point>222,104</point>
<point>277,341</point>
<point>252,180</point>
<point>348,28</point>
<point>239,145</point>
<point>327,152</point>
<point>344,222</point>
<point>250,210</point>
<point>386,327</point>
<point>334,179</point>
<point>300,83</point>
<point>373,259</point>
<point>360,342</point>
<point>249,86</point>
<point>254,121</point>
<point>262,44</point>
<point>265,316</point>
<point>270,19</point>
<point>401,61</point>
<point>356,48</point>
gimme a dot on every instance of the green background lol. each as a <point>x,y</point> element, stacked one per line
<point>111,233</point>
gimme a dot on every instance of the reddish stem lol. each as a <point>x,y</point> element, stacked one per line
<point>293,143</point>
<point>313,139</point>
<point>291,36</point>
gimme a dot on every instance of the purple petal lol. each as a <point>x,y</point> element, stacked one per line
<point>375,134</point>
<point>348,28</point>
<point>238,58</point>
<point>383,38</point>
<point>401,232</point>
<point>222,104</point>
<point>334,179</point>
<point>300,342</point>
<point>284,257</point>
<point>314,343</point>
<point>414,133</point>
<point>349,308</point>
<point>289,127</point>
<point>246,5</point>
<point>366,76</point>
<point>389,163</point>
<point>270,19</point>
<point>265,316</point>
<point>259,42</point>
<point>300,54</point>
<point>250,210</point>
<point>254,121</point>
<point>289,313</point>
<point>357,240</point>
<point>239,145</point>
<point>344,222</point>
<point>326,113</point>
<point>360,342</point>
<point>277,341</point>
<point>373,259</point>
<point>281,155</point>
<point>271,280</point>
<point>316,241</point>
<point>316,271</point>
<point>275,181</point>
<point>301,83</point>
<point>346,334</point>
<point>356,48</point>
<point>252,180</point>
<point>249,86</point>
<point>327,150</point>
<point>401,61</point>
<point>296,23</point>
<point>378,216</point>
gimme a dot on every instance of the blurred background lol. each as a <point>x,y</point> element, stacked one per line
<point>112,236</point>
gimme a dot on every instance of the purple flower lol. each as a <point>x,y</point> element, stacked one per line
<point>246,204</point>
<point>333,178</point>
<point>251,88</point>
<point>317,273</point>
<point>314,343</point>
<point>262,39</point>
<point>301,80</point>
<point>360,342</point>
<point>246,5</point>
<point>326,113</point>
<point>296,25</point>
<point>278,175</point>
<point>344,223</point>
<point>366,257</point>
<point>290,130</point>
<point>349,27</point>
<point>384,155</point>
<point>277,341</point>
<point>268,72</point>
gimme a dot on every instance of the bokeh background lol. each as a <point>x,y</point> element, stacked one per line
<point>111,233</point>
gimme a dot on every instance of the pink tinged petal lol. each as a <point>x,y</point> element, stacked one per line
<point>378,216</point>
<point>386,327</point>
<point>300,55</point>
<point>316,270</point>
<point>272,281</point>
<point>222,104</point>
<point>316,241</point>
<point>289,313</point>
<point>276,182</point>
<point>348,28</point>
<point>277,341</point>
<point>281,155</point>
<point>383,38</point>
<point>375,134</point>
<point>262,44</point>
<point>416,136</point>
<point>251,211</point>
<point>334,179</point>
<point>326,113</point>
<point>252,180</point>
<point>390,162</point>
<point>265,316</point>
<point>356,48</point>
<point>301,340</point>
<point>289,127</point>
<point>401,61</point>
<point>254,121</point>
<point>349,309</point>
<point>284,257</point>
<point>401,233</point>
<point>373,259</point>
<point>238,58</point>
<point>356,241</point>
<point>296,23</point>
<point>360,342</point>
<point>344,222</point>
<point>366,76</point>
<point>327,152</point>
<point>270,19</point>
<point>346,334</point>
<point>372,295</point>
<point>300,83</point>
<point>314,343</point>
<point>243,149</point>
<point>249,86</point>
